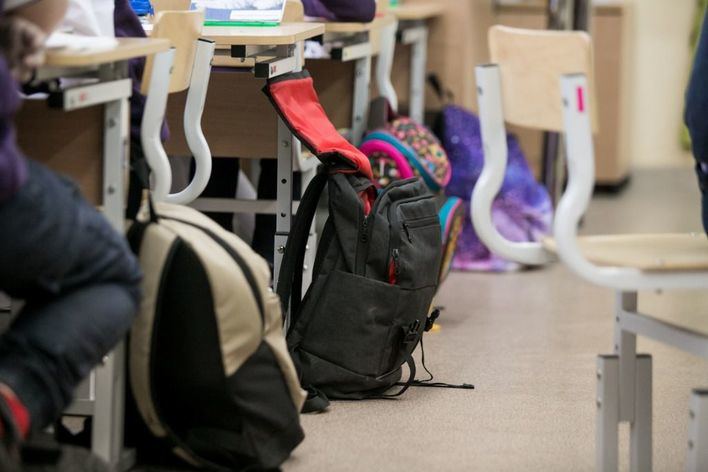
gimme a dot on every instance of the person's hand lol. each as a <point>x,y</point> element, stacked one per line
<point>22,44</point>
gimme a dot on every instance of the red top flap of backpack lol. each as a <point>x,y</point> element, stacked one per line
<point>294,98</point>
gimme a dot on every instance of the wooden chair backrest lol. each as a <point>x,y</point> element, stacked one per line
<point>531,63</point>
<point>183,29</point>
<point>294,11</point>
<point>158,6</point>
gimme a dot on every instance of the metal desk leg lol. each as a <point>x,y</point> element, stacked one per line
<point>107,441</point>
<point>284,203</point>
<point>698,432</point>
<point>288,150</point>
<point>626,349</point>
<point>607,416</point>
<point>419,57</point>
<point>360,107</point>
<point>640,429</point>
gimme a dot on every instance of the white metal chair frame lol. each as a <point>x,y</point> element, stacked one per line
<point>384,65</point>
<point>624,378</point>
<point>154,116</point>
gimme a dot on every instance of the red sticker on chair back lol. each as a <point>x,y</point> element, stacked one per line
<point>294,98</point>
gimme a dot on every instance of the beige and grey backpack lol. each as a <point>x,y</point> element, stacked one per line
<point>209,367</point>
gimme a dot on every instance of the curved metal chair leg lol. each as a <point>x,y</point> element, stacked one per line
<point>385,64</point>
<point>153,117</point>
<point>196,98</point>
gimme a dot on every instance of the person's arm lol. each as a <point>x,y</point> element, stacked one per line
<point>46,14</point>
<point>24,26</point>
<point>696,116</point>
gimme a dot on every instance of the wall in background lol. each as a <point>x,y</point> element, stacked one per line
<point>660,67</point>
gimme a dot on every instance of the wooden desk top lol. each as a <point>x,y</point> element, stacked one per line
<point>127,48</point>
<point>417,11</point>
<point>286,33</point>
<point>351,28</point>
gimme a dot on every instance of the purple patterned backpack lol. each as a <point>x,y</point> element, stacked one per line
<point>522,211</point>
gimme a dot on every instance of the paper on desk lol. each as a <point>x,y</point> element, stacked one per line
<point>79,43</point>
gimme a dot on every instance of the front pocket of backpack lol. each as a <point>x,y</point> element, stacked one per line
<point>351,321</point>
<point>417,252</point>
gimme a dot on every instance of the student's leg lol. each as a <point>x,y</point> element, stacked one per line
<point>81,286</point>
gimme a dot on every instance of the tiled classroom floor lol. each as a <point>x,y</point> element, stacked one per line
<point>528,341</point>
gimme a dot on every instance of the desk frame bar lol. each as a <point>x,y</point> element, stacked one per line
<point>352,52</point>
<point>110,380</point>
<point>288,149</point>
<point>91,95</point>
<point>697,459</point>
<point>284,195</point>
<point>415,33</point>
<point>274,67</point>
<point>360,105</point>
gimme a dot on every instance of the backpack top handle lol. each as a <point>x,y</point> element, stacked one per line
<point>295,100</point>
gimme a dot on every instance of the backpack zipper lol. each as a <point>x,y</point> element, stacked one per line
<point>366,229</point>
<point>395,268</point>
<point>408,232</point>
<point>418,223</point>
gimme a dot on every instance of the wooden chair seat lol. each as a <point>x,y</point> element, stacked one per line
<point>646,252</point>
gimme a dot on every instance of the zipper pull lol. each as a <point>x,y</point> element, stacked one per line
<point>364,228</point>
<point>396,263</point>
<point>408,232</point>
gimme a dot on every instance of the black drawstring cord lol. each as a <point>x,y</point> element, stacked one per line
<point>428,382</point>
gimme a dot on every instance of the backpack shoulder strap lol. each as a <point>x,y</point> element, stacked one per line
<point>289,284</point>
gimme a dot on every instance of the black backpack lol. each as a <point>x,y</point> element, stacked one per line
<point>373,283</point>
<point>376,268</point>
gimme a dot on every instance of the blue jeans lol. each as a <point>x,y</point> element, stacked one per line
<point>80,283</point>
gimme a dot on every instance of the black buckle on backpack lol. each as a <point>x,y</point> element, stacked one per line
<point>412,333</point>
<point>430,321</point>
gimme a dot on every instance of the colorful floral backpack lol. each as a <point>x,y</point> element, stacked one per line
<point>403,148</point>
<point>399,148</point>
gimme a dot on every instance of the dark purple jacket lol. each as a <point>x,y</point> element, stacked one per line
<point>341,10</point>
<point>13,169</point>
<point>127,25</point>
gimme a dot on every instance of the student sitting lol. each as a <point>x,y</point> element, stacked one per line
<point>76,274</point>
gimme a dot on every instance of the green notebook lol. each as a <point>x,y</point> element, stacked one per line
<point>239,23</point>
